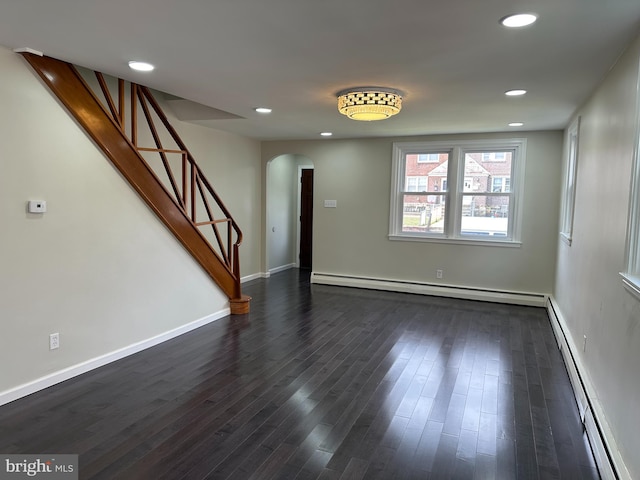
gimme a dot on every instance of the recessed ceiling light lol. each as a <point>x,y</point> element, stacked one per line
<point>141,66</point>
<point>262,110</point>
<point>515,93</point>
<point>326,134</point>
<point>519,20</point>
<point>516,124</point>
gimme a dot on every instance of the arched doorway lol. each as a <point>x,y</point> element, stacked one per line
<point>289,212</point>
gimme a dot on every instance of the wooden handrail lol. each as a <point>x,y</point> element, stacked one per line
<point>201,180</point>
<point>198,182</point>
<point>107,126</point>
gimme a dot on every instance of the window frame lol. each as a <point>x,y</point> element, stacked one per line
<point>631,277</point>
<point>570,176</point>
<point>454,197</point>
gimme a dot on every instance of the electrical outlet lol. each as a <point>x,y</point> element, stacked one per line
<point>54,341</point>
<point>438,273</point>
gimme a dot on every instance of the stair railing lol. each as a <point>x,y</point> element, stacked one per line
<point>192,187</point>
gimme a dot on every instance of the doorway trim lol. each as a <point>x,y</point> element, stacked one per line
<point>299,210</point>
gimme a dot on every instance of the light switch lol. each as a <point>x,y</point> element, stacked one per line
<point>37,206</point>
<point>331,204</point>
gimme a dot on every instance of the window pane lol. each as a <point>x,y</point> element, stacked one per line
<point>500,184</point>
<point>569,192</point>
<point>426,176</point>
<point>423,213</point>
<point>487,171</point>
<point>485,215</point>
<point>416,184</point>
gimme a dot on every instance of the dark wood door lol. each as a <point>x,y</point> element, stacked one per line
<point>306,218</point>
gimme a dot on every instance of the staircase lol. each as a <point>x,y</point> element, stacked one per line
<point>157,164</point>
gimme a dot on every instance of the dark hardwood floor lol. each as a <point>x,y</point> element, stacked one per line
<point>328,383</point>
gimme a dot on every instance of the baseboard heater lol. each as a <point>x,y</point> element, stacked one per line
<point>434,289</point>
<point>610,465</point>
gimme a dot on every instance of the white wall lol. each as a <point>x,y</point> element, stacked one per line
<point>353,238</point>
<point>282,193</point>
<point>98,267</point>
<point>589,291</point>
<point>231,163</point>
<point>281,202</point>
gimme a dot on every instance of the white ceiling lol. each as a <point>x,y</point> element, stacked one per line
<point>451,58</point>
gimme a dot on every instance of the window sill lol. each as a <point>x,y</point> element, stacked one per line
<point>632,284</point>
<point>565,238</point>
<point>456,241</point>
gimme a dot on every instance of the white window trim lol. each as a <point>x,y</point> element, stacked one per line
<point>569,187</point>
<point>456,149</point>
<point>631,278</point>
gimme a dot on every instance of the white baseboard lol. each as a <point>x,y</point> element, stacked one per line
<point>467,293</point>
<point>282,268</point>
<point>255,276</point>
<point>271,271</point>
<point>75,370</point>
<point>603,444</point>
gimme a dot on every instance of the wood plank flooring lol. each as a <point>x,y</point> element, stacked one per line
<point>328,383</point>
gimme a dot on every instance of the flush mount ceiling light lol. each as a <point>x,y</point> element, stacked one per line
<point>516,124</point>
<point>326,134</point>
<point>262,110</point>
<point>515,93</point>
<point>519,20</point>
<point>140,66</point>
<point>369,103</point>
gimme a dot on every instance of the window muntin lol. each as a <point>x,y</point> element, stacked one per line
<point>485,204</point>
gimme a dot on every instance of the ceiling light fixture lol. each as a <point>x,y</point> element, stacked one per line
<point>519,20</point>
<point>369,103</point>
<point>515,93</point>
<point>262,110</point>
<point>516,124</point>
<point>140,66</point>
<point>326,134</point>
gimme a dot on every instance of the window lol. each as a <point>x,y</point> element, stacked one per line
<point>500,184</point>
<point>631,277</point>
<point>416,184</point>
<point>493,156</point>
<point>472,194</point>
<point>428,157</point>
<point>569,187</point>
